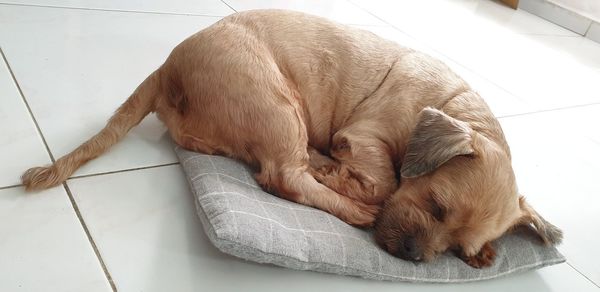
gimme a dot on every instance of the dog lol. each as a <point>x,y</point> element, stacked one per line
<point>329,116</point>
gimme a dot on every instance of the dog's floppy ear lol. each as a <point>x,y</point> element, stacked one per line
<point>550,234</point>
<point>436,138</point>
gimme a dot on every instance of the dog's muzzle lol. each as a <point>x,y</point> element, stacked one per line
<point>409,250</point>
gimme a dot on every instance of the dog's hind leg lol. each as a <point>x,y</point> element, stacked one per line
<point>285,169</point>
<point>292,181</point>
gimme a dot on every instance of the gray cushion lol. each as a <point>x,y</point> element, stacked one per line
<point>242,220</point>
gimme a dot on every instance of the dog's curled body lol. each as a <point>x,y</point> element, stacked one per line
<point>277,88</point>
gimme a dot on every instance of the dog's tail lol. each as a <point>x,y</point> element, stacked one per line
<point>129,114</point>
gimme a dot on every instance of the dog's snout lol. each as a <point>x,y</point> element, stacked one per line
<point>408,249</point>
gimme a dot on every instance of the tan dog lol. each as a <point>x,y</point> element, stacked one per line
<point>269,87</point>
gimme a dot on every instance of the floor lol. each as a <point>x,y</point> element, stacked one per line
<point>126,220</point>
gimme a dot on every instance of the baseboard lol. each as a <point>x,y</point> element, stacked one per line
<point>559,15</point>
<point>594,32</point>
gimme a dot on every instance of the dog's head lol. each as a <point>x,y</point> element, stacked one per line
<point>457,191</point>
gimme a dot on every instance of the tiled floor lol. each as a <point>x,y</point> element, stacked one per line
<point>126,221</point>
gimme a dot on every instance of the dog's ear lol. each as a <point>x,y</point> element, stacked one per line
<point>342,145</point>
<point>436,138</point>
<point>550,234</point>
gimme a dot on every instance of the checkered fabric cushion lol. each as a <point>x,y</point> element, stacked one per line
<point>242,220</point>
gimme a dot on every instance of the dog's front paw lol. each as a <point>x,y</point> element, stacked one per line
<point>361,215</point>
<point>484,258</point>
<point>327,169</point>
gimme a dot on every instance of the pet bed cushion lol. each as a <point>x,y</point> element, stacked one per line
<point>242,220</point>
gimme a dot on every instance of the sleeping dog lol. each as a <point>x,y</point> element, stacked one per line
<point>285,91</point>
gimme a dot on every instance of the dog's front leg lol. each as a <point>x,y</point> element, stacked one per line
<point>481,259</point>
<point>341,178</point>
<point>363,168</point>
<point>320,163</point>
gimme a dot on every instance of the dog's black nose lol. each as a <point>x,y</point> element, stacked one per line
<point>408,249</point>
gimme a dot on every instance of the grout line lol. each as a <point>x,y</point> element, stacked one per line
<point>69,194</point>
<point>122,170</point>
<point>229,5</point>
<point>588,29</point>
<point>594,283</point>
<point>359,25</point>
<point>37,126</point>
<point>111,10</point>
<point>552,35</point>
<point>10,187</point>
<point>89,237</point>
<point>102,173</point>
<point>549,110</point>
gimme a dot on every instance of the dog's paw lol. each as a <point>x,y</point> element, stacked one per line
<point>362,215</point>
<point>371,209</point>
<point>484,258</point>
<point>327,169</point>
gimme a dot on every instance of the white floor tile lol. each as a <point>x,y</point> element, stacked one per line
<point>145,226</point>
<point>530,66</point>
<point>204,7</point>
<point>533,67</point>
<point>338,10</point>
<point>449,17</point>
<point>21,146</point>
<point>77,66</point>
<point>556,156</point>
<point>500,101</point>
<point>580,50</point>
<point>43,246</point>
